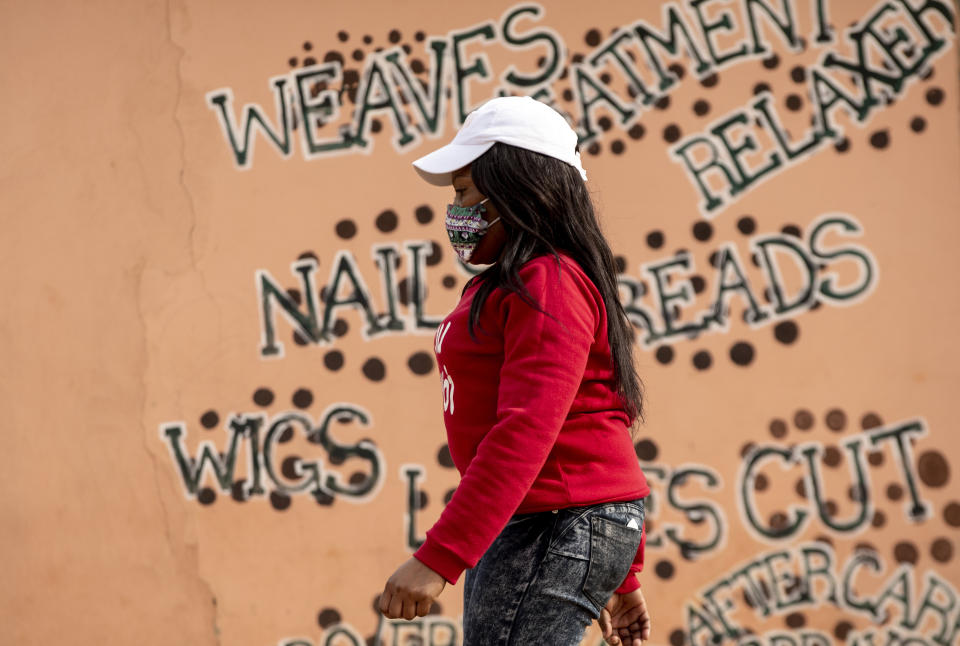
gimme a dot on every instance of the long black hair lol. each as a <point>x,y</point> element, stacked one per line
<point>544,206</point>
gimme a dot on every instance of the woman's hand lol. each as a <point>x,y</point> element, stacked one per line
<point>625,619</point>
<point>411,591</point>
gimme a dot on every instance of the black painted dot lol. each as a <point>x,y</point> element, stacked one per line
<point>302,398</point>
<point>636,131</point>
<point>870,420</point>
<point>394,36</point>
<point>449,281</point>
<point>263,397</point>
<point>741,353</point>
<point>678,638</point>
<point>842,629</point>
<point>832,456</point>
<point>664,569</point>
<point>295,296</point>
<point>842,146</point>
<point>933,468</point>
<point>286,435</point>
<point>906,552</point>
<point>447,497</point>
<point>387,221</point>
<point>207,496</point>
<point>951,514</point>
<point>760,482</point>
<point>333,57</point>
<point>419,36</point>
<point>376,126</point>
<point>664,354</point>
<point>662,103</point>
<point>880,139</point>
<point>424,214</point>
<point>340,328</point>
<point>443,457</point>
<point>710,80</point>
<point>671,133</point>
<point>422,499</point>
<point>771,62</point>
<point>793,102</point>
<point>646,449</point>
<point>299,339</point>
<point>417,66</point>
<point>605,123</point>
<point>374,370</point>
<point>941,550</point>
<point>796,620</point>
<point>237,491</point>
<point>786,332</point>
<point>594,148</point>
<point>289,467</point>
<point>702,360</point>
<point>567,94</point>
<point>698,284</point>
<point>620,263</point>
<point>655,239</point>
<point>209,419</point>
<point>702,231</point>
<point>307,45</point>
<point>701,107</point>
<point>309,254</point>
<point>778,519</point>
<point>760,87</point>
<point>322,498</point>
<point>894,491</point>
<point>367,39</point>
<point>592,38</point>
<point>836,419</point>
<point>617,147</point>
<point>436,254</point>
<point>346,229</point>
<point>875,458</point>
<point>798,74</point>
<point>333,360</point>
<point>577,58</point>
<point>292,61</point>
<point>934,96</point>
<point>328,616</point>
<point>791,230</point>
<point>778,428</point>
<point>879,519</point>
<point>746,225</point>
<point>803,419</point>
<point>677,69</point>
<point>279,501</point>
<point>801,488</point>
<point>918,124</point>
<point>403,291</point>
<point>420,363</point>
<point>357,478</point>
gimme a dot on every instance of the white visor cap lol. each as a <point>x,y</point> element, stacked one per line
<point>514,120</point>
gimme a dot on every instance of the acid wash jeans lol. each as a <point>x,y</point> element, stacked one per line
<point>548,574</point>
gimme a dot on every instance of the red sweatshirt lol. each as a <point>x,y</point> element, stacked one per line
<point>533,419</point>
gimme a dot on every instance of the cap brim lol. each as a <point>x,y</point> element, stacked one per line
<point>437,167</point>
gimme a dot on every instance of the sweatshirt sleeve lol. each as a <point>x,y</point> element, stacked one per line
<point>543,365</point>
<point>631,583</point>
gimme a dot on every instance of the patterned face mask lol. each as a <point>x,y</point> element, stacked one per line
<point>466,226</point>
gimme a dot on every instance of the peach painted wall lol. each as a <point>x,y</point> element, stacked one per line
<point>222,280</point>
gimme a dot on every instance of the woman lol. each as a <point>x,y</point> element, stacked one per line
<point>539,394</point>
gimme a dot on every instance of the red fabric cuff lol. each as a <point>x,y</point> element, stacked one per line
<point>629,584</point>
<point>441,560</point>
